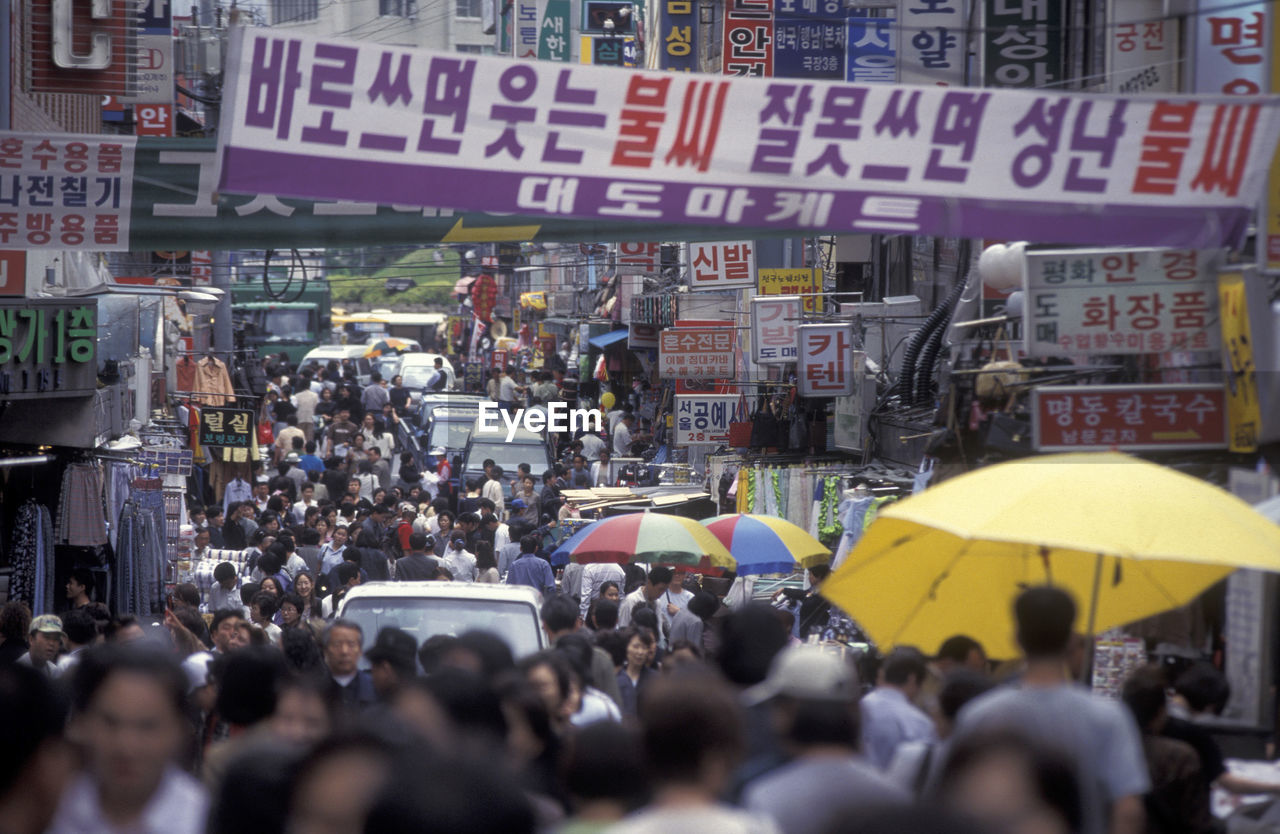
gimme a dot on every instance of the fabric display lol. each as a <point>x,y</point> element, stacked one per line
<point>81,519</point>
<point>139,568</point>
<point>203,569</point>
<point>794,492</point>
<point>32,558</point>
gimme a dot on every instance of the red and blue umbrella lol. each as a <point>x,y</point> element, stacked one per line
<point>765,544</point>
<point>652,538</point>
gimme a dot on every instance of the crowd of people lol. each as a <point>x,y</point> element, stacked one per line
<point>632,728</point>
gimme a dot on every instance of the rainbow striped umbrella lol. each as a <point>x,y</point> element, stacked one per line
<point>652,538</point>
<point>765,544</point>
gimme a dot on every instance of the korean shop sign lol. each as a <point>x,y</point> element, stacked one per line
<point>790,281</point>
<point>827,367</point>
<point>231,427</point>
<point>1081,418</point>
<point>721,266</point>
<point>703,419</point>
<point>1120,301</point>
<point>48,348</point>
<point>774,320</point>
<point>399,126</point>
<point>696,352</point>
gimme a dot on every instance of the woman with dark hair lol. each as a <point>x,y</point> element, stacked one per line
<point>304,585</point>
<point>262,608</point>
<point>486,564</point>
<point>326,407</point>
<point>635,674</point>
<point>15,622</point>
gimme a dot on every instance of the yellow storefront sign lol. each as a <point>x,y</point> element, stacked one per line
<point>801,282</point>
<point>1243,413</point>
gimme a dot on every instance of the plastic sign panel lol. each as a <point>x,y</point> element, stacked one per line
<point>826,363</point>
<point>1142,48</point>
<point>809,39</point>
<point>872,56</point>
<point>1120,301</point>
<point>1023,43</point>
<point>679,35</point>
<point>1080,418</point>
<point>696,353</point>
<point>65,191</point>
<point>1232,43</point>
<point>774,321</point>
<point>397,126</point>
<point>703,419</point>
<point>790,281</point>
<point>48,348</point>
<point>230,427</point>
<point>931,41</point>
<point>748,38</point>
<point>721,266</point>
<point>553,32</point>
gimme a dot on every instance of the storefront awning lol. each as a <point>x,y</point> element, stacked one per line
<point>609,338</point>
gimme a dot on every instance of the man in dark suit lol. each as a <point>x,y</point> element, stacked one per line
<point>417,566</point>
<point>350,688</point>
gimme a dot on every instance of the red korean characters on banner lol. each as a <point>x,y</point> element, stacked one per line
<point>696,353</point>
<point>748,38</point>
<point>826,364</point>
<point>1128,417</point>
<point>1231,47</point>
<point>721,266</point>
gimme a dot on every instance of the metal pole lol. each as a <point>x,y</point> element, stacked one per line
<point>223,338</point>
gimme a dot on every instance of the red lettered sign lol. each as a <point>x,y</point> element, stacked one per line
<point>1130,417</point>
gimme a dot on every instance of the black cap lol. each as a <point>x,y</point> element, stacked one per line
<point>397,647</point>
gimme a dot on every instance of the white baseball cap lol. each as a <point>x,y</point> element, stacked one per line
<point>809,673</point>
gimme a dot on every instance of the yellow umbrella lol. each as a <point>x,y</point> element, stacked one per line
<point>1129,539</point>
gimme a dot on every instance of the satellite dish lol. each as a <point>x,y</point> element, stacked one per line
<point>498,329</point>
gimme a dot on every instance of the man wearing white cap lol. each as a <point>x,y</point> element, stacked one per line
<point>814,694</point>
<point>44,644</point>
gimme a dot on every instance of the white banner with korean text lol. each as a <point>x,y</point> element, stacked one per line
<point>352,120</point>
<point>827,367</point>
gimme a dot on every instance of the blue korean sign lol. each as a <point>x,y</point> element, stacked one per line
<point>872,56</point>
<point>155,17</point>
<point>678,50</point>
<point>809,39</point>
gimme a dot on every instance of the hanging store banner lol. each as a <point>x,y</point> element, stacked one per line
<point>1087,418</point>
<point>748,38</point>
<point>553,32</point>
<point>826,362</point>
<point>809,39</point>
<point>48,348</point>
<point>643,336</point>
<point>696,353</point>
<point>703,419</point>
<point>721,266</point>
<point>679,36</point>
<point>1120,301</point>
<point>930,43</point>
<point>1231,47</point>
<point>1142,48</point>
<point>527,29</point>
<point>65,191</point>
<point>774,321</point>
<point>801,282</point>
<point>606,52</point>
<point>1023,43</point>
<point>1244,413</point>
<point>649,146</point>
<point>872,54</point>
<point>230,427</point>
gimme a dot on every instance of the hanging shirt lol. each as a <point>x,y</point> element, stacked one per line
<point>236,491</point>
<point>213,382</point>
<point>186,374</point>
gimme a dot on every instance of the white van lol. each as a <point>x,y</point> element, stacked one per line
<point>336,353</point>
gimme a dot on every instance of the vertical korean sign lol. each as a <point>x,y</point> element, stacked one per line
<point>872,59</point>
<point>528,14</point>
<point>679,47</point>
<point>553,32</point>
<point>1142,48</point>
<point>826,360</point>
<point>153,100</point>
<point>809,39</point>
<point>1244,415</point>
<point>931,42</point>
<point>1023,43</point>
<point>774,321</point>
<point>748,38</point>
<point>65,190</point>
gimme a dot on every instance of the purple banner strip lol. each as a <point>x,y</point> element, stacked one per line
<point>617,200</point>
